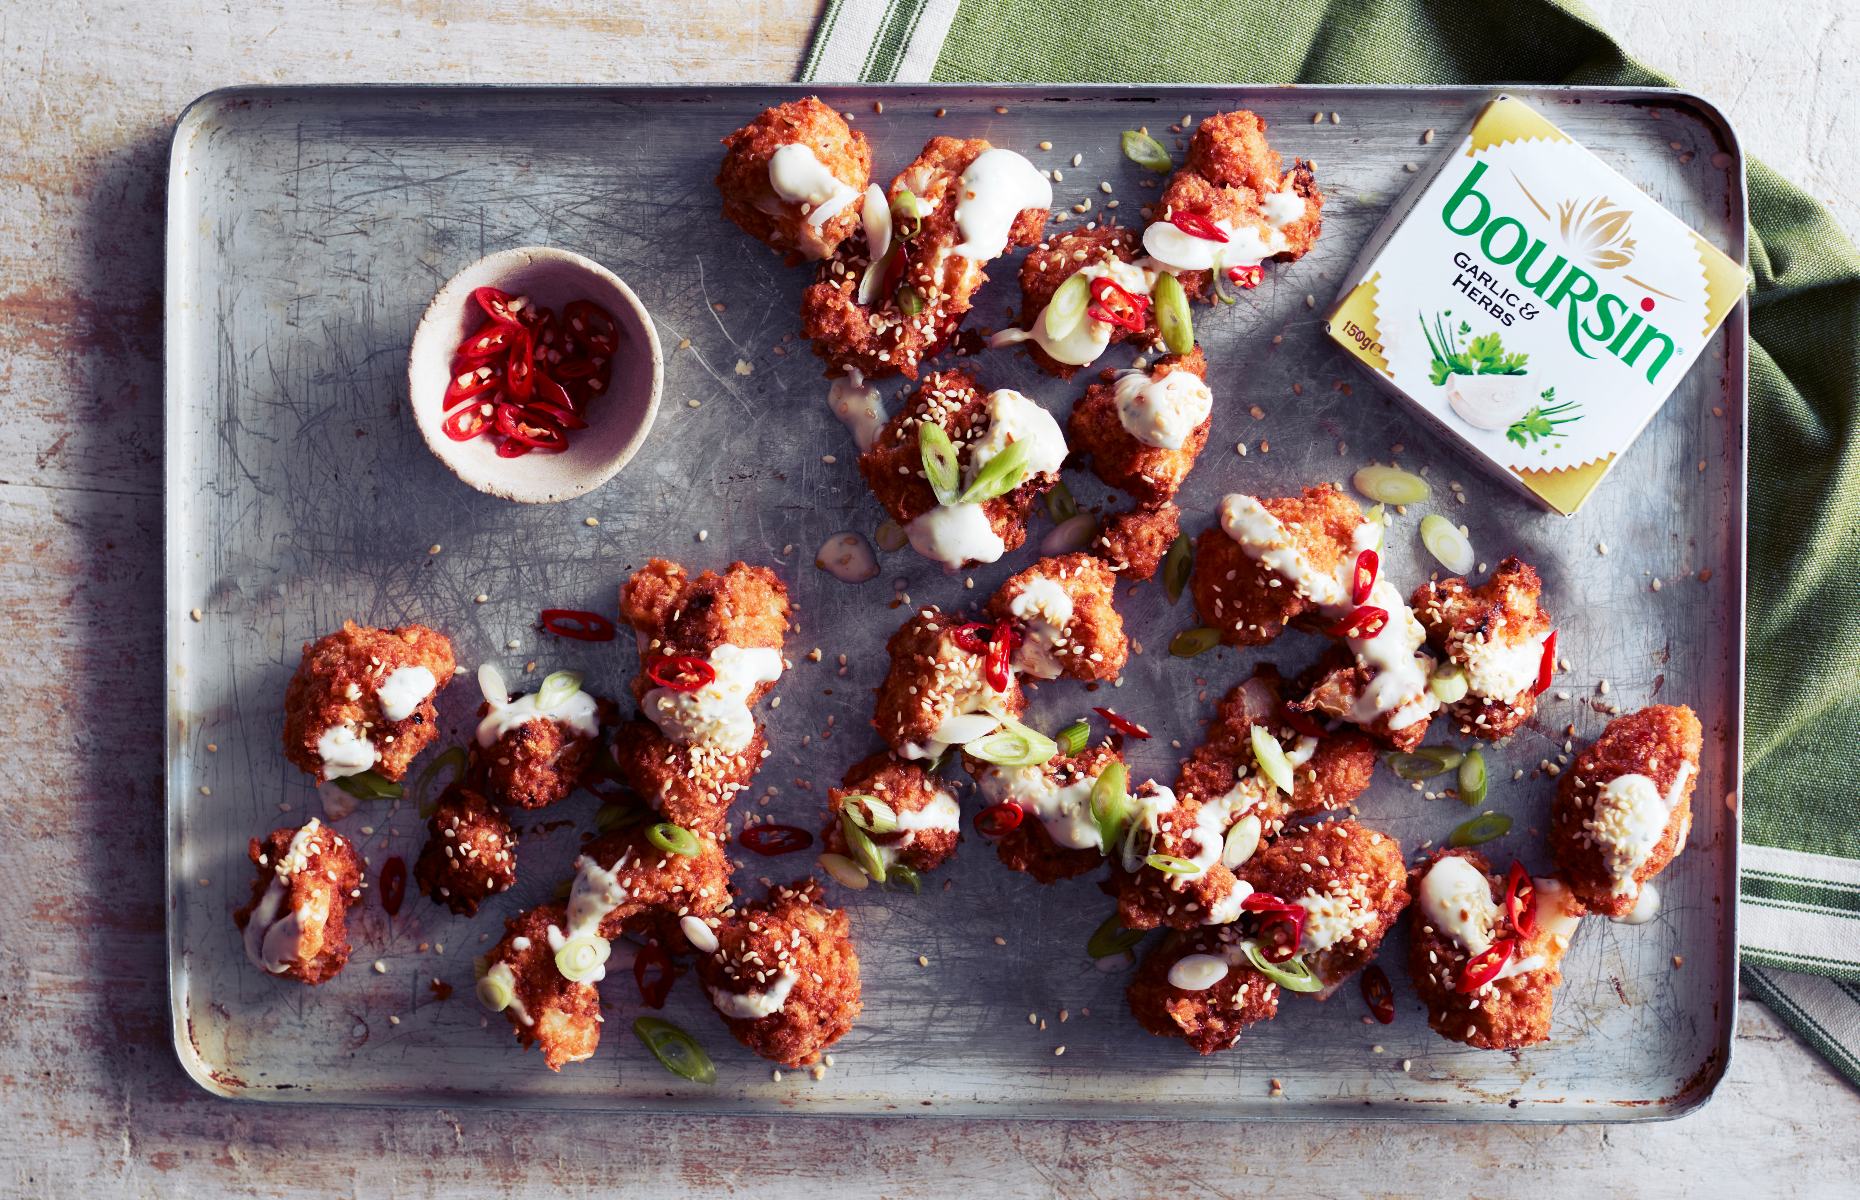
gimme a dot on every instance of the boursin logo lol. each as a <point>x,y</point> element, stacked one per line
<point>1596,234</point>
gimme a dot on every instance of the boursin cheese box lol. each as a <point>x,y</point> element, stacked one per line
<point>1532,302</point>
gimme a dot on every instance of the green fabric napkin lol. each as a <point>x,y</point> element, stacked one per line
<point>1800,893</point>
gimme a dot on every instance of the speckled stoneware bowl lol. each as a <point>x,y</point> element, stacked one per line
<point>618,421</point>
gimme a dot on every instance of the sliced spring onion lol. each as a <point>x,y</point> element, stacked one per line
<point>870,813</point>
<point>1176,567</point>
<point>676,1050</point>
<point>1060,505</point>
<point>1391,485</point>
<point>1172,316</point>
<point>673,839</point>
<point>1448,543</point>
<point>1473,779</point>
<point>874,276</point>
<point>454,759</point>
<point>1013,745</point>
<point>1110,805</point>
<point>1292,974</point>
<point>999,476</point>
<point>941,466</point>
<point>1171,864</point>
<point>891,536</point>
<point>902,874</point>
<point>556,687</point>
<point>1067,307</point>
<point>1146,151</point>
<point>1074,737</point>
<point>1190,642</point>
<point>1480,830</point>
<point>491,683</point>
<point>495,992</point>
<point>1112,938</point>
<point>844,871</point>
<point>1070,535</point>
<point>906,206</point>
<point>910,300</point>
<point>1449,683</point>
<point>1271,758</point>
<point>1425,763</point>
<point>964,728</point>
<point>369,785</point>
<point>875,214</point>
<point>864,852</point>
<point>1242,842</point>
<point>583,958</point>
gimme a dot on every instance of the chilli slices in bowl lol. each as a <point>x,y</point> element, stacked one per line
<point>527,377</point>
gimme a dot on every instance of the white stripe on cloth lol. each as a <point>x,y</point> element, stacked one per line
<point>1799,864</point>
<point>843,52</point>
<point>1809,936</point>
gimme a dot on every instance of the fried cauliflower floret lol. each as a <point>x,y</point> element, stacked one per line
<point>1143,432</point>
<point>1062,610</point>
<point>793,178</point>
<point>928,816</point>
<point>676,613</point>
<point>539,761</point>
<point>1351,882</point>
<point>1208,1016</point>
<point>1624,807</point>
<point>362,699</point>
<point>1103,251</point>
<point>1462,902</point>
<point>657,888</point>
<point>1334,689</point>
<point>470,852</point>
<point>979,425</point>
<point>1496,634</point>
<point>1248,601</point>
<point>296,923</point>
<point>689,786</point>
<point>1200,887</point>
<point>884,337</point>
<point>784,975</point>
<point>1134,543</point>
<point>931,679</point>
<point>558,1016</point>
<point>1056,837</point>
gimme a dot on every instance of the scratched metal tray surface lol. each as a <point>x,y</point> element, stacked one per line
<point>309,227</point>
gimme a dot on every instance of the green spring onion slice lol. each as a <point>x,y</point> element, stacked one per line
<point>1480,830</point>
<point>1074,738</point>
<point>910,300</point>
<point>864,851</point>
<point>1473,779</point>
<point>1271,759</point>
<point>941,466</point>
<point>1060,505</point>
<point>583,957</point>
<point>906,205</point>
<point>1426,762</point>
<point>1445,542</point>
<point>1146,152</point>
<point>845,871</point>
<point>557,687</point>
<point>1449,683</point>
<point>1176,567</point>
<point>1172,316</point>
<point>369,785</point>
<point>870,813</point>
<point>676,1050</point>
<point>1013,745</point>
<point>1292,974</point>
<point>1110,805</point>
<point>909,878</point>
<point>495,992</point>
<point>454,759</point>
<point>1190,642</point>
<point>1391,485</point>
<point>1067,307</point>
<point>1171,864</point>
<point>673,839</point>
<point>1112,938</point>
<point>1001,475</point>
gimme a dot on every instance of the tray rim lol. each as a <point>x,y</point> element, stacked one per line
<point>1699,1090</point>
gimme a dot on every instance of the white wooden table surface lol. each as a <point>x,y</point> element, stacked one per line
<point>95,1101</point>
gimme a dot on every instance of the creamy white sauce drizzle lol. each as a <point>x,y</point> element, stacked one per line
<point>1282,207</point>
<point>1628,821</point>
<point>1088,338</point>
<point>956,534</point>
<point>1063,809</point>
<point>1646,906</point>
<point>501,972</point>
<point>799,177</point>
<point>751,1006</point>
<point>345,751</point>
<point>941,815</point>
<point>991,194</point>
<point>1044,608</point>
<point>717,714</point>
<point>859,407</point>
<point>1500,669</point>
<point>577,711</point>
<point>595,893</point>
<point>1456,899</point>
<point>1246,246</point>
<point>274,938</point>
<point>1163,412</point>
<point>403,690</point>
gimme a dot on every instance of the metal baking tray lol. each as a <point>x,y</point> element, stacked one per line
<point>307,229</point>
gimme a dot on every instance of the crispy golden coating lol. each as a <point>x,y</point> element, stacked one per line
<point>882,338</point>
<point>929,819</point>
<point>1029,847</point>
<point>1246,600</point>
<point>297,922</point>
<point>1600,850</point>
<point>1351,882</point>
<point>1058,259</point>
<point>1211,1018</point>
<point>750,200</point>
<point>335,686</point>
<point>1080,638</point>
<point>536,763</point>
<point>560,1017</point>
<point>1150,474</point>
<point>792,950</point>
<point>1506,1013</point>
<point>660,887</point>
<point>1134,543</point>
<point>1194,832</point>
<point>1331,690</point>
<point>931,679</point>
<point>893,468</point>
<point>1495,632</point>
<point>676,613</point>
<point>470,852</point>
<point>688,786</point>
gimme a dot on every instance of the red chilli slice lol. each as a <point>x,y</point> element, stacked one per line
<point>1363,581</point>
<point>1196,225</point>
<point>1366,622</point>
<point>1484,967</point>
<point>520,368</point>
<point>1378,995</point>
<point>496,305</point>
<point>1281,930</point>
<point>393,884</point>
<point>577,623</point>
<point>1546,666</point>
<point>998,820</point>
<point>1115,305</point>
<point>592,326</point>
<point>468,421</point>
<point>997,669</point>
<point>653,974</point>
<point>771,840</point>
<point>492,340</point>
<point>1521,901</point>
<point>473,379</point>
<point>972,637</point>
<point>1246,277</point>
<point>1122,724</point>
<point>680,672</point>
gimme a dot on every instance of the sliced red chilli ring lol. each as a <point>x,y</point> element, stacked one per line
<point>512,448</point>
<point>653,975</point>
<point>1521,901</point>
<point>1366,622</point>
<point>572,367</point>
<point>1116,305</point>
<point>771,840</point>
<point>473,379</point>
<point>577,623</point>
<point>592,326</point>
<point>998,820</point>
<point>530,428</point>
<point>1280,932</point>
<point>680,672</point>
<point>468,421</point>
<point>1246,277</point>
<point>1546,666</point>
<point>393,884</point>
<point>1484,967</point>
<point>520,368</point>
<point>1122,723</point>
<point>1262,902</point>
<point>972,637</point>
<point>1378,995</point>
<point>548,391</point>
<point>496,305</point>
<point>1363,579</point>
<point>563,417</point>
<point>492,340</point>
<point>997,668</point>
<point>1195,224</point>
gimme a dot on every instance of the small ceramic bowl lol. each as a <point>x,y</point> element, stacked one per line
<point>618,421</point>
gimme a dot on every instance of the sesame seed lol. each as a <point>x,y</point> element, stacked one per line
<point>434,548</point>
<point>194,613</point>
